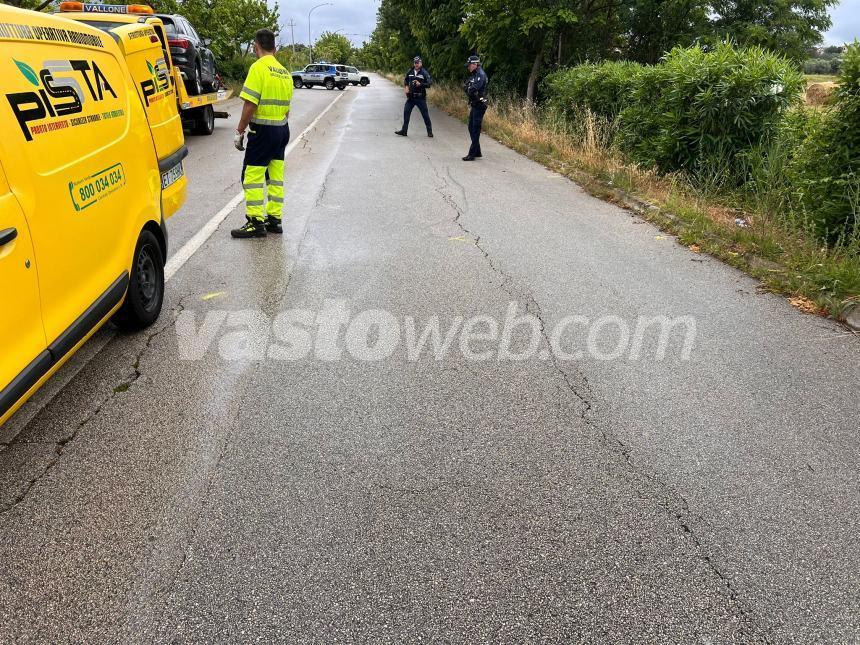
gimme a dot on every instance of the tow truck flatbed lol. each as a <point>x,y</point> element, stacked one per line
<point>196,112</point>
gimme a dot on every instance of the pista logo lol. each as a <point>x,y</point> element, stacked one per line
<point>58,92</point>
<point>157,86</point>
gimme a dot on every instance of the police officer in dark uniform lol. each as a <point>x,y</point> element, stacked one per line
<point>476,92</point>
<point>415,87</point>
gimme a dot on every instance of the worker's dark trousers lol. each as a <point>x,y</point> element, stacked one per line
<point>263,170</point>
<point>421,103</point>
<point>476,118</point>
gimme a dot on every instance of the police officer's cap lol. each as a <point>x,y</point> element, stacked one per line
<point>473,60</point>
<point>417,59</point>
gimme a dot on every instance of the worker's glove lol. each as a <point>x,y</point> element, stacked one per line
<point>239,140</point>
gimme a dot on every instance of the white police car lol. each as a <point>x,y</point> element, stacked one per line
<point>324,74</point>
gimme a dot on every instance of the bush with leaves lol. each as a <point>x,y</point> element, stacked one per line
<point>605,89</point>
<point>236,67</point>
<point>699,110</point>
<point>827,170</point>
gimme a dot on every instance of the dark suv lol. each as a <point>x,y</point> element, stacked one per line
<point>190,54</point>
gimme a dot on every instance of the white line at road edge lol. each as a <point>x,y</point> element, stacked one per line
<point>200,237</point>
<point>46,394</point>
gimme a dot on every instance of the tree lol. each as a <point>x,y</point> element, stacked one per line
<point>789,27</point>
<point>234,23</point>
<point>511,29</point>
<point>654,27</point>
<point>334,48</point>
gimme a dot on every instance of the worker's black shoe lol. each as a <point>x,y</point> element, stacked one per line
<point>430,133</point>
<point>252,228</point>
<point>402,133</point>
<point>468,158</point>
<point>273,225</point>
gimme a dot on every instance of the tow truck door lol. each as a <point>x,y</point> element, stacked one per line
<point>149,64</point>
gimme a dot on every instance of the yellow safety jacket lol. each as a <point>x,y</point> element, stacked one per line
<point>270,86</point>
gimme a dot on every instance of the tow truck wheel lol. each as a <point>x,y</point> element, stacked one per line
<point>145,293</point>
<point>329,83</point>
<point>341,86</point>
<point>309,86</point>
<point>204,120</point>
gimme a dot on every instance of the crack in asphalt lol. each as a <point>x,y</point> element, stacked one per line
<point>60,445</point>
<point>321,193</point>
<point>166,590</point>
<point>673,503</point>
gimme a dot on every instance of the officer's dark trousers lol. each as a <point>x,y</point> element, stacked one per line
<point>421,103</point>
<point>476,118</point>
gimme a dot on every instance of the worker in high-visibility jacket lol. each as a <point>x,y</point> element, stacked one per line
<point>267,93</point>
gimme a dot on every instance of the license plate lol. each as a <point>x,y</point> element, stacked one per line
<point>170,177</point>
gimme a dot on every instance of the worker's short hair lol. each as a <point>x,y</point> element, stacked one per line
<point>265,39</point>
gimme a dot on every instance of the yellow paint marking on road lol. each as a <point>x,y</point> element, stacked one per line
<point>459,238</point>
<point>213,295</point>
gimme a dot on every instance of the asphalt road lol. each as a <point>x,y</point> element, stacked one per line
<point>189,483</point>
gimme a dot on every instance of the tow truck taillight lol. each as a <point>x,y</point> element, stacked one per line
<point>179,42</point>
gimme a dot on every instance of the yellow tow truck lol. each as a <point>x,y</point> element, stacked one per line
<point>163,79</point>
<point>91,170</point>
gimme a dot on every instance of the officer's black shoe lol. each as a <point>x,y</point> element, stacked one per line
<point>430,133</point>
<point>468,158</point>
<point>273,225</point>
<point>252,228</point>
<point>402,133</point>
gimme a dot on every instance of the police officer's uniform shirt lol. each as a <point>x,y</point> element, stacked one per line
<point>476,85</point>
<point>422,75</point>
<point>270,87</point>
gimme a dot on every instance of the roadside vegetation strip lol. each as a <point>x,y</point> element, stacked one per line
<point>788,260</point>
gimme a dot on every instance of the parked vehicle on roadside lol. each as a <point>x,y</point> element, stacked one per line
<point>356,77</point>
<point>90,170</point>
<point>326,75</point>
<point>190,54</point>
<point>196,111</point>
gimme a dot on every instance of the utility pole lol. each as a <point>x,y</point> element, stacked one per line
<point>291,24</point>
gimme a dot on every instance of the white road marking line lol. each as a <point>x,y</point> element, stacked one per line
<point>178,260</point>
<point>93,346</point>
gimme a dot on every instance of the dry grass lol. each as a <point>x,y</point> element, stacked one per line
<point>818,94</point>
<point>786,259</point>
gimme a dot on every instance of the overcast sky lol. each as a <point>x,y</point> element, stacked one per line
<point>846,23</point>
<point>358,17</point>
<point>350,16</point>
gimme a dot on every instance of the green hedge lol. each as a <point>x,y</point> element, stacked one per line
<point>236,67</point>
<point>826,172</point>
<point>603,88</point>
<point>696,111</point>
<point>700,110</point>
